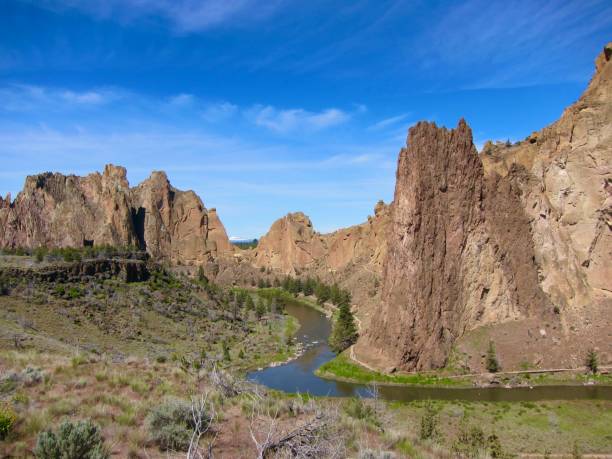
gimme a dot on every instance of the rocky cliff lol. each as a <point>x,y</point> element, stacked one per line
<point>515,239</point>
<point>292,245</point>
<point>54,210</point>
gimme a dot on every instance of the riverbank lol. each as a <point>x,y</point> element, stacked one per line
<point>343,368</point>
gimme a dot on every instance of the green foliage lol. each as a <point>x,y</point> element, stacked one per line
<point>226,352</point>
<point>344,332</point>
<point>7,420</point>
<point>592,361</point>
<point>244,245</point>
<point>39,254</point>
<point>4,287</point>
<point>470,441</point>
<point>80,440</point>
<point>260,309</point>
<point>356,408</point>
<point>576,453</point>
<point>429,423</point>
<point>201,276</point>
<point>492,363</point>
<point>171,424</point>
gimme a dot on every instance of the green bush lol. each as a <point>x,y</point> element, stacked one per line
<point>171,424</point>
<point>592,361</point>
<point>429,423</point>
<point>7,420</point>
<point>492,363</point>
<point>78,440</point>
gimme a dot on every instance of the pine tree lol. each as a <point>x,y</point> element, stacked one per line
<point>592,361</point>
<point>492,364</point>
<point>344,333</point>
<point>260,309</point>
<point>250,305</point>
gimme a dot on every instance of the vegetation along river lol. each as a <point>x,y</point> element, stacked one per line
<point>298,375</point>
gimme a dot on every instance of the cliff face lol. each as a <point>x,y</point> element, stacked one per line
<point>292,245</point>
<point>501,240</point>
<point>567,194</point>
<point>54,210</point>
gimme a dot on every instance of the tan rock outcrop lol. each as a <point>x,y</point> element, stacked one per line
<point>54,210</point>
<point>567,194</point>
<point>290,244</point>
<point>446,270</point>
<point>499,239</point>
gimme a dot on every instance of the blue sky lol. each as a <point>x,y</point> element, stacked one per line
<point>294,105</point>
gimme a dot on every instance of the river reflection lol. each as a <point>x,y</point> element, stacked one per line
<point>298,375</point>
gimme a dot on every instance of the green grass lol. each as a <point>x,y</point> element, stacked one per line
<point>344,369</point>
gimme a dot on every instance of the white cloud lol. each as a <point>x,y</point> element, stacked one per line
<point>19,97</point>
<point>182,100</point>
<point>389,122</point>
<point>284,121</point>
<point>219,111</point>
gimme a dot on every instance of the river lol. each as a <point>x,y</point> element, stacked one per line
<point>298,375</point>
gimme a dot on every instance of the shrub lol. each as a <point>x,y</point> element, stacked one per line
<point>592,361</point>
<point>171,424</point>
<point>79,440</point>
<point>4,287</point>
<point>7,420</point>
<point>492,363</point>
<point>31,376</point>
<point>429,423</point>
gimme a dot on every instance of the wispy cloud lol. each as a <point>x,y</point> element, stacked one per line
<point>284,121</point>
<point>20,97</point>
<point>387,122</point>
<point>524,42</point>
<point>219,111</point>
<point>182,15</point>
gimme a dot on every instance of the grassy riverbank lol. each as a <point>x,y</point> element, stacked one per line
<point>344,369</point>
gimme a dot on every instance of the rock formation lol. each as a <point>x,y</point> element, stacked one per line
<point>509,237</point>
<point>292,245</point>
<point>54,210</point>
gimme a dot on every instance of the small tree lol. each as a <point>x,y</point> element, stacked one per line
<point>260,309</point>
<point>344,333</point>
<point>592,361</point>
<point>492,363</point>
<point>429,423</point>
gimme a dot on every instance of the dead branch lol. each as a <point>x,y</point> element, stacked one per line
<point>203,414</point>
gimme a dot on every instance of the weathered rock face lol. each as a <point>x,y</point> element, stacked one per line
<point>60,211</point>
<point>478,241</point>
<point>54,210</point>
<point>567,194</point>
<point>445,270</point>
<point>292,245</point>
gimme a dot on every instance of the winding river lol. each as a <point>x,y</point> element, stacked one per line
<point>298,375</point>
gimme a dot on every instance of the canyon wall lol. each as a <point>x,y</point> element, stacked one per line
<point>517,235</point>
<point>54,210</point>
<point>292,245</point>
